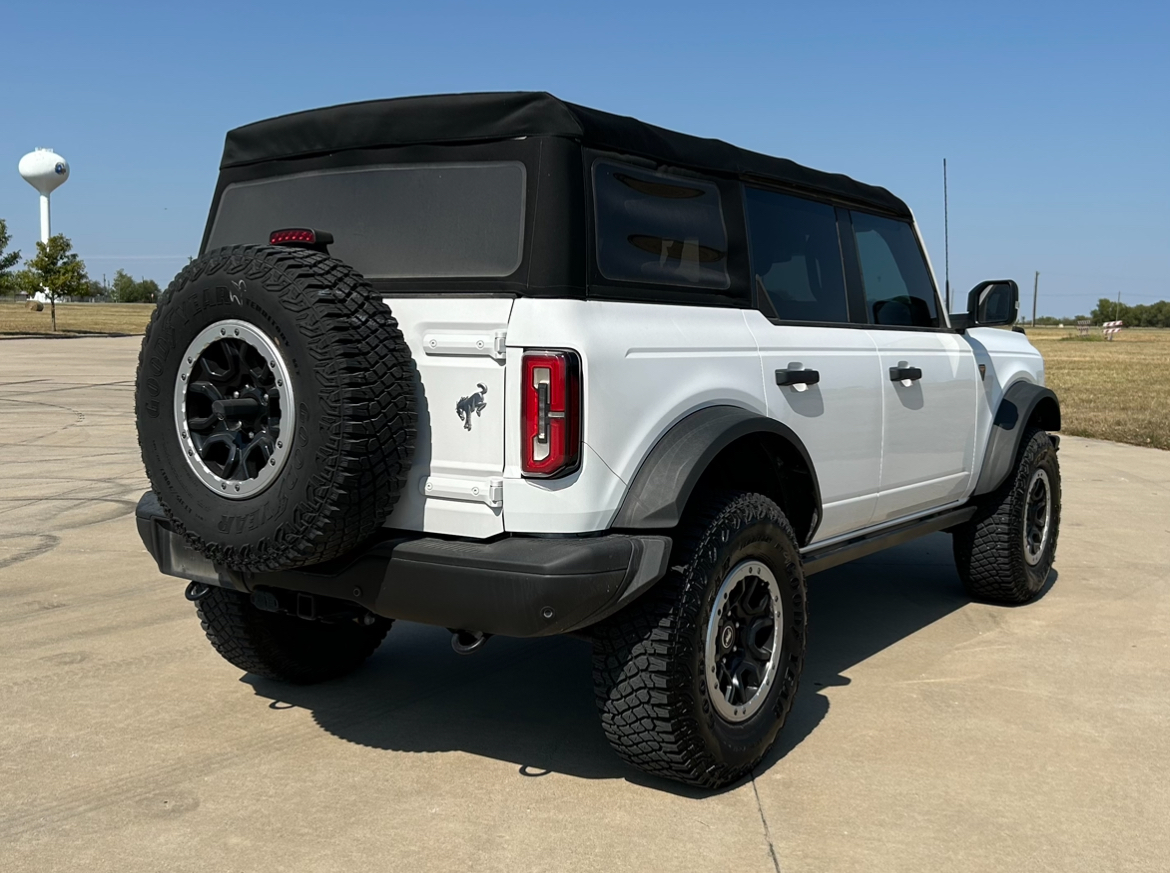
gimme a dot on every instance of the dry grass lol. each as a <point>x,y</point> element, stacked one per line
<point>1117,390</point>
<point>76,319</point>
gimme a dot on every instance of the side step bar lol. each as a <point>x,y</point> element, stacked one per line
<point>826,557</point>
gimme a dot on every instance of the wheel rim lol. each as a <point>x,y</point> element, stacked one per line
<point>744,640</point>
<point>1037,517</point>
<point>234,409</point>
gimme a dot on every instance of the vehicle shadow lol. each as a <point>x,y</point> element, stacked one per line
<point>530,702</point>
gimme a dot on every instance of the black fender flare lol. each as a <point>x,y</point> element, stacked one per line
<point>663,484</point>
<point>1019,404</point>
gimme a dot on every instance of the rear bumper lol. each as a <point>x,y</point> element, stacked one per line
<point>516,586</point>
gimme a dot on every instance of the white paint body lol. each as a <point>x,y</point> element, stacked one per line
<point>883,451</point>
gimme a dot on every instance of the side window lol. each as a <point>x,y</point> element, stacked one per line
<point>898,287</point>
<point>796,256</point>
<point>657,228</point>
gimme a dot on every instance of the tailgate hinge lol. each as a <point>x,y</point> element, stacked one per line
<point>489,491</point>
<point>467,344</point>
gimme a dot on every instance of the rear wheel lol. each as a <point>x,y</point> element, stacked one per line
<point>283,647</point>
<point>695,679</point>
<point>1005,553</point>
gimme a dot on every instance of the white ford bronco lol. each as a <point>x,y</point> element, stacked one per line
<point>508,365</point>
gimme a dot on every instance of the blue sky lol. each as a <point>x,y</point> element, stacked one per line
<point>1054,117</point>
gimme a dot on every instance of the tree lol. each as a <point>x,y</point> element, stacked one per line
<point>8,260</point>
<point>126,290</point>
<point>122,288</point>
<point>58,271</point>
<point>148,291</point>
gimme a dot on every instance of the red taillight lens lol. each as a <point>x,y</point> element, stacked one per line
<point>292,235</point>
<point>550,413</point>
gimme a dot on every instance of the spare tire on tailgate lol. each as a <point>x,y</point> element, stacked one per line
<point>275,406</point>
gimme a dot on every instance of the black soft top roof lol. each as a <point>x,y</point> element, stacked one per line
<point>453,118</point>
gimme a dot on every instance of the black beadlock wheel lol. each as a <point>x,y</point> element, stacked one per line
<point>1005,553</point>
<point>276,407</point>
<point>284,647</point>
<point>695,679</point>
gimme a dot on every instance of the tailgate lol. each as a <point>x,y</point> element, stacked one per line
<point>456,478</point>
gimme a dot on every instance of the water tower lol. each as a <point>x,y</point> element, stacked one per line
<point>46,171</point>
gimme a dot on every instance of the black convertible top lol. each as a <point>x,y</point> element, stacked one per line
<point>455,118</point>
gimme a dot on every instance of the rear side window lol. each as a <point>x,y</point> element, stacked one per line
<point>406,221</point>
<point>898,287</point>
<point>659,229</point>
<point>796,256</point>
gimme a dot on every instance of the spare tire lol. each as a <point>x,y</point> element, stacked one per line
<point>275,406</point>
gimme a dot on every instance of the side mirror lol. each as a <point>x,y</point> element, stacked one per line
<point>993,303</point>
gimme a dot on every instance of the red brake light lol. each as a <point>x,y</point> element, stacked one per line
<point>301,237</point>
<point>550,413</point>
<point>292,235</point>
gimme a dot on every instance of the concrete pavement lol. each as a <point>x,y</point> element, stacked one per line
<point>930,733</point>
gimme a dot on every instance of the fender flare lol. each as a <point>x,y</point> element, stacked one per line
<point>1020,402</point>
<point>664,482</point>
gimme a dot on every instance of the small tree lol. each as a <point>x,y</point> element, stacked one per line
<point>122,288</point>
<point>8,260</point>
<point>126,290</point>
<point>58,271</point>
<point>148,291</point>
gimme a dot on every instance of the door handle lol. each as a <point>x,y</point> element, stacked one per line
<point>797,377</point>
<point>899,374</point>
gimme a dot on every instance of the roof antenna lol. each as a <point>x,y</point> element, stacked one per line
<point>946,236</point>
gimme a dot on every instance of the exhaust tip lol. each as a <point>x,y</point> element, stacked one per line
<point>466,642</point>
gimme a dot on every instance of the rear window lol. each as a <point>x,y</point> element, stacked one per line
<point>407,221</point>
<point>659,229</point>
<point>796,256</point>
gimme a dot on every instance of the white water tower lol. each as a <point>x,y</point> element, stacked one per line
<point>46,171</point>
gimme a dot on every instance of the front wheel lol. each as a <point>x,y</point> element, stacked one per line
<point>695,679</point>
<point>1005,553</point>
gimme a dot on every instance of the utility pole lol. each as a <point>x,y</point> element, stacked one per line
<point>947,235</point>
<point>1117,311</point>
<point>1035,291</point>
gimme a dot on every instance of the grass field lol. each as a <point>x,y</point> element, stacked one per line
<point>1116,390</point>
<point>76,319</point>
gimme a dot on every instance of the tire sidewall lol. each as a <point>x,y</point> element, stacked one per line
<point>737,745</point>
<point>230,288</point>
<point>1039,454</point>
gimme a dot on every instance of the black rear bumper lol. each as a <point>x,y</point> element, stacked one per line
<point>519,586</point>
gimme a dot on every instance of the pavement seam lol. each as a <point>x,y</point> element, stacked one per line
<point>764,822</point>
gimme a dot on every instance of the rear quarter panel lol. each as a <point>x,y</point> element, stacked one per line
<point>645,367</point>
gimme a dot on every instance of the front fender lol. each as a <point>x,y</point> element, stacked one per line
<point>1021,402</point>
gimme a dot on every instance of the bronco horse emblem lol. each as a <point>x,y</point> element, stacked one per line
<point>467,405</point>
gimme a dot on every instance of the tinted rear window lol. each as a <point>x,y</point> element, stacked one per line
<point>659,229</point>
<point>409,221</point>
<point>796,256</point>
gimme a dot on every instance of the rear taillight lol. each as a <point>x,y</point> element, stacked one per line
<point>550,413</point>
